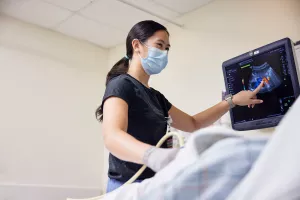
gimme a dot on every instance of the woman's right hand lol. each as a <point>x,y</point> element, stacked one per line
<point>157,158</point>
<point>249,98</point>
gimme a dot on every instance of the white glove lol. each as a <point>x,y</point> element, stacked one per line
<point>157,158</point>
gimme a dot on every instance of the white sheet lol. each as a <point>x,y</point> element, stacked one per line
<point>196,145</point>
<point>210,166</point>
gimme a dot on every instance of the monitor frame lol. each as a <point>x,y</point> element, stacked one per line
<point>295,77</point>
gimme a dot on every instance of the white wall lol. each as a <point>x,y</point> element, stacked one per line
<point>51,145</point>
<point>223,29</point>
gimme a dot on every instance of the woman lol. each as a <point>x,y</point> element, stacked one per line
<point>135,116</point>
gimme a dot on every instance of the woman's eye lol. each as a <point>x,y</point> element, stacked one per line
<point>160,45</point>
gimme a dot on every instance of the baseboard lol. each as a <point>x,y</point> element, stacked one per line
<point>45,192</point>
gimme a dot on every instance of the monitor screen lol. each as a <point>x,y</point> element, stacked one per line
<point>274,67</point>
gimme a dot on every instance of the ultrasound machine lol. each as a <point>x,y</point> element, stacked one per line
<point>275,64</point>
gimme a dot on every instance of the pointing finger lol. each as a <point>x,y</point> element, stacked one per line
<point>261,85</point>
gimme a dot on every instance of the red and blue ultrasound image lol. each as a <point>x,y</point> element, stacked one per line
<point>266,74</point>
<point>277,93</point>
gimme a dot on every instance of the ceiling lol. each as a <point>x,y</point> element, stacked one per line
<point>103,22</point>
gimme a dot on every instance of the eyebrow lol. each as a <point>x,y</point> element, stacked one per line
<point>164,42</point>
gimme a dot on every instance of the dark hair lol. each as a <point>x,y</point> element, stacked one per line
<point>141,31</point>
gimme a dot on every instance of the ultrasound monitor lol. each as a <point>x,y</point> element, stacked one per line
<point>276,65</point>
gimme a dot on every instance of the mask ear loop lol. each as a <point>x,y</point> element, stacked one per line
<point>138,51</point>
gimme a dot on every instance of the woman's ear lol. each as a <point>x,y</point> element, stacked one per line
<point>135,45</point>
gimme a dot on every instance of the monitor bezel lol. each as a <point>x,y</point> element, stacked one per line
<point>293,66</point>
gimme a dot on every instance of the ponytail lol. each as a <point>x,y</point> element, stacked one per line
<point>121,67</point>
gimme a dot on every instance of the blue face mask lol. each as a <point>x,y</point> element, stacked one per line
<point>156,60</point>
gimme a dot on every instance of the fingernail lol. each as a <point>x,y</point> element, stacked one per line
<point>261,101</point>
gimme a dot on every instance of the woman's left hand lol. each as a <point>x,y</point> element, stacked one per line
<point>249,98</point>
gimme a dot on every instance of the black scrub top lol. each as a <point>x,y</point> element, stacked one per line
<point>147,120</point>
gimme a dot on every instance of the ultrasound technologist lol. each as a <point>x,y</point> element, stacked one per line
<point>135,116</point>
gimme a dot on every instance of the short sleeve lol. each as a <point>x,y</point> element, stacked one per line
<point>164,101</point>
<point>119,87</point>
<point>167,103</point>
